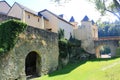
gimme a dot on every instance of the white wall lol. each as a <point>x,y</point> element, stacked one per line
<point>55,23</point>
<point>68,28</point>
<point>16,11</point>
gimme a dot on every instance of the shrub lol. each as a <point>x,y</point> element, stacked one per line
<point>63,48</point>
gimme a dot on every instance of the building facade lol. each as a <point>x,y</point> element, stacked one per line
<point>28,16</point>
<point>87,32</point>
<point>56,23</point>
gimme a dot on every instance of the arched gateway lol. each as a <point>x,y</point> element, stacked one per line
<point>35,53</point>
<point>33,64</point>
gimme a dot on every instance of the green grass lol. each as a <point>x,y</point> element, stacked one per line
<point>99,69</point>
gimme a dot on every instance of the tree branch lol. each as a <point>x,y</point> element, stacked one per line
<point>113,13</point>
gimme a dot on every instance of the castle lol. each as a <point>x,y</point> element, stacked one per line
<point>40,41</point>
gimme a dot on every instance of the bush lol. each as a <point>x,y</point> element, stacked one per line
<point>63,47</point>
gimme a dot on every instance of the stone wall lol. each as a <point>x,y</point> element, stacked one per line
<point>45,44</point>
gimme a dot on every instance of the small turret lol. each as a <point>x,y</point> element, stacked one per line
<point>72,21</point>
<point>85,18</point>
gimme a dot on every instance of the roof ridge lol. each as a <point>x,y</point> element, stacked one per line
<point>6,3</point>
<point>26,8</point>
<point>55,15</point>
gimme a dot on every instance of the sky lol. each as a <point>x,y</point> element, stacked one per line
<point>76,8</point>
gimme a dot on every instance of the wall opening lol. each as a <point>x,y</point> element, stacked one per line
<point>32,64</point>
<point>103,51</point>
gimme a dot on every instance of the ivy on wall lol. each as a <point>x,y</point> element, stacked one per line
<point>9,32</point>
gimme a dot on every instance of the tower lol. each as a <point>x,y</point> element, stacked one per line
<point>87,35</point>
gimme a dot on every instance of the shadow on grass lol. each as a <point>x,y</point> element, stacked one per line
<point>103,59</point>
<point>70,67</point>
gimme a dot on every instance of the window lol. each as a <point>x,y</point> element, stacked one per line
<point>28,16</point>
<point>38,20</point>
<point>50,29</point>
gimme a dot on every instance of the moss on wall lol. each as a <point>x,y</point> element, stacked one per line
<point>9,32</point>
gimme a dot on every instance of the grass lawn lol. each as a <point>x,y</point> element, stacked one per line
<point>99,69</point>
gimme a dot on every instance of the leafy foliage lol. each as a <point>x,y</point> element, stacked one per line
<point>112,6</point>
<point>63,47</point>
<point>9,31</point>
<point>105,50</point>
<point>61,33</point>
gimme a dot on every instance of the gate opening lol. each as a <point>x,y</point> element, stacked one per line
<point>32,64</point>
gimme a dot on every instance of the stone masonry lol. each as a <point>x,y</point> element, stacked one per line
<point>43,43</point>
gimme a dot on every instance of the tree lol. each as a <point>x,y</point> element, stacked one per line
<point>103,6</point>
<point>61,33</point>
<point>112,6</point>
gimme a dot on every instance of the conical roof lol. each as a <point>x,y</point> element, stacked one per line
<point>85,18</point>
<point>72,19</point>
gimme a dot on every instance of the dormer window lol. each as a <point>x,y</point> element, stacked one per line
<point>28,16</point>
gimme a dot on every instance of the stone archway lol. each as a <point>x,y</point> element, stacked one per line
<point>32,64</point>
<point>103,51</point>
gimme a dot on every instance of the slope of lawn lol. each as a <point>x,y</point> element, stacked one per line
<point>99,69</point>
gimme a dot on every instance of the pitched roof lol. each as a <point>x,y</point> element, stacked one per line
<point>72,19</point>
<point>1,12</point>
<point>26,9</point>
<point>54,15</point>
<point>85,18</point>
<point>6,3</point>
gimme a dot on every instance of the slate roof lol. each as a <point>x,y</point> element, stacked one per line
<point>39,14</point>
<point>72,19</point>
<point>54,15</point>
<point>85,18</point>
<point>61,15</point>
